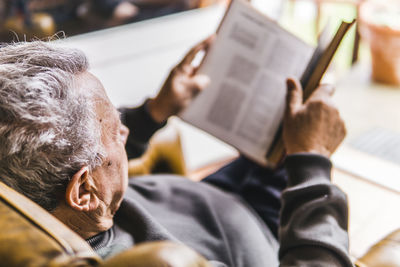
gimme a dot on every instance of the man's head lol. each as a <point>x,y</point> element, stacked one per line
<point>61,139</point>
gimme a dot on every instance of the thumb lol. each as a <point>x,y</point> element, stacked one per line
<point>199,82</point>
<point>294,97</point>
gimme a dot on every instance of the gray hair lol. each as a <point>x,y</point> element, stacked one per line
<point>48,129</point>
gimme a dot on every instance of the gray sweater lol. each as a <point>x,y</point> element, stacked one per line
<point>224,228</point>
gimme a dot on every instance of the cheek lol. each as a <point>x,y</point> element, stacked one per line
<point>116,167</point>
<point>124,170</point>
<point>124,132</point>
<point>119,166</point>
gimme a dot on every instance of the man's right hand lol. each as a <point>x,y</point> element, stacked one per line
<point>181,86</point>
<point>314,126</point>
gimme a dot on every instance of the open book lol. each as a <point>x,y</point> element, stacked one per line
<point>248,65</point>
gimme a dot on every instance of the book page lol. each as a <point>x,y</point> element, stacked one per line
<point>248,65</point>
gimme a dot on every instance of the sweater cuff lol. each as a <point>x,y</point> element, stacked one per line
<point>304,167</point>
<point>140,122</point>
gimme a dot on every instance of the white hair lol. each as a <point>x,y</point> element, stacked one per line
<point>48,129</point>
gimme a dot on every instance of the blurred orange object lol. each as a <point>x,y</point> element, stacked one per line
<point>41,25</point>
<point>383,35</point>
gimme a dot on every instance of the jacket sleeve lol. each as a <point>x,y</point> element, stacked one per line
<point>141,128</point>
<point>314,215</point>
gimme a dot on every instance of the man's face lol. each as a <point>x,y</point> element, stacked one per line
<point>111,178</point>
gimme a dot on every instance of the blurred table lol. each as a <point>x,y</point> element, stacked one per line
<point>367,167</point>
<point>372,147</point>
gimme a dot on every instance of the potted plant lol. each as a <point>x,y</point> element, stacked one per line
<point>379,24</point>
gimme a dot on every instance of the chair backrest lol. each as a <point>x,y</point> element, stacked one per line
<point>30,236</point>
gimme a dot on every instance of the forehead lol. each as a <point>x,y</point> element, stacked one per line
<point>89,85</point>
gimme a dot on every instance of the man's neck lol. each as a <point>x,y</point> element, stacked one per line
<point>85,224</point>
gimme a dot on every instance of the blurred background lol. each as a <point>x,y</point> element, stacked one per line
<point>41,18</point>
<point>27,19</point>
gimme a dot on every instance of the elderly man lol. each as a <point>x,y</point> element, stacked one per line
<point>63,146</point>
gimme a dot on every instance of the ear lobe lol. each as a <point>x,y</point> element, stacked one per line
<point>79,192</point>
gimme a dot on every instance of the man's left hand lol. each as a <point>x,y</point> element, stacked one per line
<point>181,86</point>
<point>314,126</point>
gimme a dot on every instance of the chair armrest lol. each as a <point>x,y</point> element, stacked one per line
<point>156,254</point>
<point>386,253</point>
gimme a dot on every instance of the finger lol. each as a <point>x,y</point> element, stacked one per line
<point>198,83</point>
<point>294,98</point>
<point>204,45</point>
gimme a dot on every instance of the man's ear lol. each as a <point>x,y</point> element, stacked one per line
<point>79,194</point>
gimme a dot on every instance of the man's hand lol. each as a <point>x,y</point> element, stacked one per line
<point>314,126</point>
<point>181,86</point>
